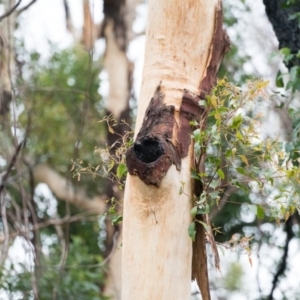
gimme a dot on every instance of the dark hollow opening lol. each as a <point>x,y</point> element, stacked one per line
<point>148,149</point>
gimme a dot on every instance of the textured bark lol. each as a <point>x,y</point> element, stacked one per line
<point>155,148</point>
<point>7,26</point>
<point>185,44</point>
<point>287,31</point>
<point>90,29</point>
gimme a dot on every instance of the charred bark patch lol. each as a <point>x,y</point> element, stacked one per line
<point>155,148</point>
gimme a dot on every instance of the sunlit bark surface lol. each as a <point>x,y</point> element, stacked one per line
<point>156,248</point>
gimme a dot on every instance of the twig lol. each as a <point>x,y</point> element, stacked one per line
<point>25,7</point>
<point>10,166</point>
<point>223,201</point>
<point>10,11</point>
<point>64,250</point>
<point>5,229</point>
<point>211,239</point>
<point>283,263</point>
<point>69,23</point>
<point>87,266</point>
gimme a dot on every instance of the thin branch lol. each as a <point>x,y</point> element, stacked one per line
<point>64,190</point>
<point>211,239</point>
<point>87,266</point>
<point>61,221</point>
<point>5,229</point>
<point>10,11</point>
<point>223,201</point>
<point>283,263</point>
<point>10,166</point>
<point>260,242</point>
<point>25,7</point>
<point>69,23</point>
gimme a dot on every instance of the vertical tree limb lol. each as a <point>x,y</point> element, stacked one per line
<point>183,53</point>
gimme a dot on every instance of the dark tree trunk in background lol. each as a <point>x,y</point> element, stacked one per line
<point>287,31</point>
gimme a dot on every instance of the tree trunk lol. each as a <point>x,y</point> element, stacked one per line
<point>7,27</point>
<point>184,46</point>
<point>287,30</point>
<point>117,31</point>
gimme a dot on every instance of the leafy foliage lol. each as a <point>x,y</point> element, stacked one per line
<point>78,279</point>
<point>239,159</point>
<point>61,107</point>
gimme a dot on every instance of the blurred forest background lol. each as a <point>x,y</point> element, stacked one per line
<point>70,73</point>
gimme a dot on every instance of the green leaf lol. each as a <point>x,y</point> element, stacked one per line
<point>197,149</point>
<point>271,180</point>
<point>244,159</point>
<point>293,17</point>
<point>116,219</point>
<point>194,211</point>
<point>236,122</point>
<point>203,210</point>
<point>289,57</point>
<point>285,51</point>
<point>194,123</point>
<point>197,135</point>
<point>260,212</point>
<point>214,195</point>
<point>229,153</point>
<point>241,170</point>
<point>239,136</point>
<point>111,210</point>
<point>221,173</point>
<point>192,231</point>
<point>195,175</point>
<point>202,198</point>
<point>121,170</point>
<point>279,80</point>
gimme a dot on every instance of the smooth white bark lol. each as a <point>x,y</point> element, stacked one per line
<point>117,67</point>
<point>156,250</point>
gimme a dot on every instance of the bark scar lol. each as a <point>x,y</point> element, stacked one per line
<point>153,151</point>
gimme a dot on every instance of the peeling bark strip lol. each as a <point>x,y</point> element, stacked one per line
<point>189,110</point>
<point>155,149</point>
<point>220,45</point>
